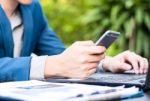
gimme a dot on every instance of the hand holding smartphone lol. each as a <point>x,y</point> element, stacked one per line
<point>107,38</point>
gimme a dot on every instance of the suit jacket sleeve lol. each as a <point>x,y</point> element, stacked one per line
<point>16,69</point>
<point>21,71</point>
<point>48,43</point>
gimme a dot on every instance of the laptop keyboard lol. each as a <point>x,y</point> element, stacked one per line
<point>108,77</point>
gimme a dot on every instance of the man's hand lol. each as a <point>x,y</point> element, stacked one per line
<point>126,61</point>
<point>80,60</point>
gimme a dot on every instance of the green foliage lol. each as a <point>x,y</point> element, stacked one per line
<point>76,20</point>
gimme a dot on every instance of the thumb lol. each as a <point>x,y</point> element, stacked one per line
<point>85,43</point>
<point>123,67</point>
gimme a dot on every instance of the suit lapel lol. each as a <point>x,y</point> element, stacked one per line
<point>6,33</point>
<point>28,30</point>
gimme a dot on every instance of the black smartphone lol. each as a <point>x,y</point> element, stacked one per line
<point>107,38</point>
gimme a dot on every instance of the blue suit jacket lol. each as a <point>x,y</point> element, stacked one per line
<point>37,38</point>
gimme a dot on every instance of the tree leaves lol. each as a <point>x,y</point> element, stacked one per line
<point>92,16</point>
<point>139,15</point>
<point>87,19</point>
<point>115,13</point>
<point>147,20</point>
<point>129,27</point>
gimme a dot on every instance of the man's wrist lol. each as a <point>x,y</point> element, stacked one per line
<point>106,63</point>
<point>52,67</point>
<point>103,65</point>
<point>100,66</point>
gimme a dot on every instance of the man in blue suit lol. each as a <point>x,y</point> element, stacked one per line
<point>24,30</point>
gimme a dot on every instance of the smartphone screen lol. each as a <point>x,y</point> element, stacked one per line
<point>107,38</point>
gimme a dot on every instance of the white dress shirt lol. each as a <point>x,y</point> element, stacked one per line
<point>37,62</point>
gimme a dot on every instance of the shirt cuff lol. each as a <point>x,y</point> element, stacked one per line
<point>37,67</point>
<point>100,67</point>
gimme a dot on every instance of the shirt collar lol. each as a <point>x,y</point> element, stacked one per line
<point>15,20</point>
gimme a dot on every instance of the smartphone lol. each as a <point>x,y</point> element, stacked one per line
<point>107,38</point>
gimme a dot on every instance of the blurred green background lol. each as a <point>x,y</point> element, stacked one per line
<point>76,20</point>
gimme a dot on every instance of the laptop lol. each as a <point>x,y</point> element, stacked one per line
<point>112,79</point>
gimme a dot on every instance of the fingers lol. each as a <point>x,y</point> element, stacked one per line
<point>95,50</point>
<point>87,70</point>
<point>88,47</point>
<point>89,66</point>
<point>95,58</point>
<point>90,72</point>
<point>139,64</point>
<point>143,65</point>
<point>81,59</point>
<point>130,57</point>
<point>121,67</point>
<point>85,43</point>
<point>146,65</point>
